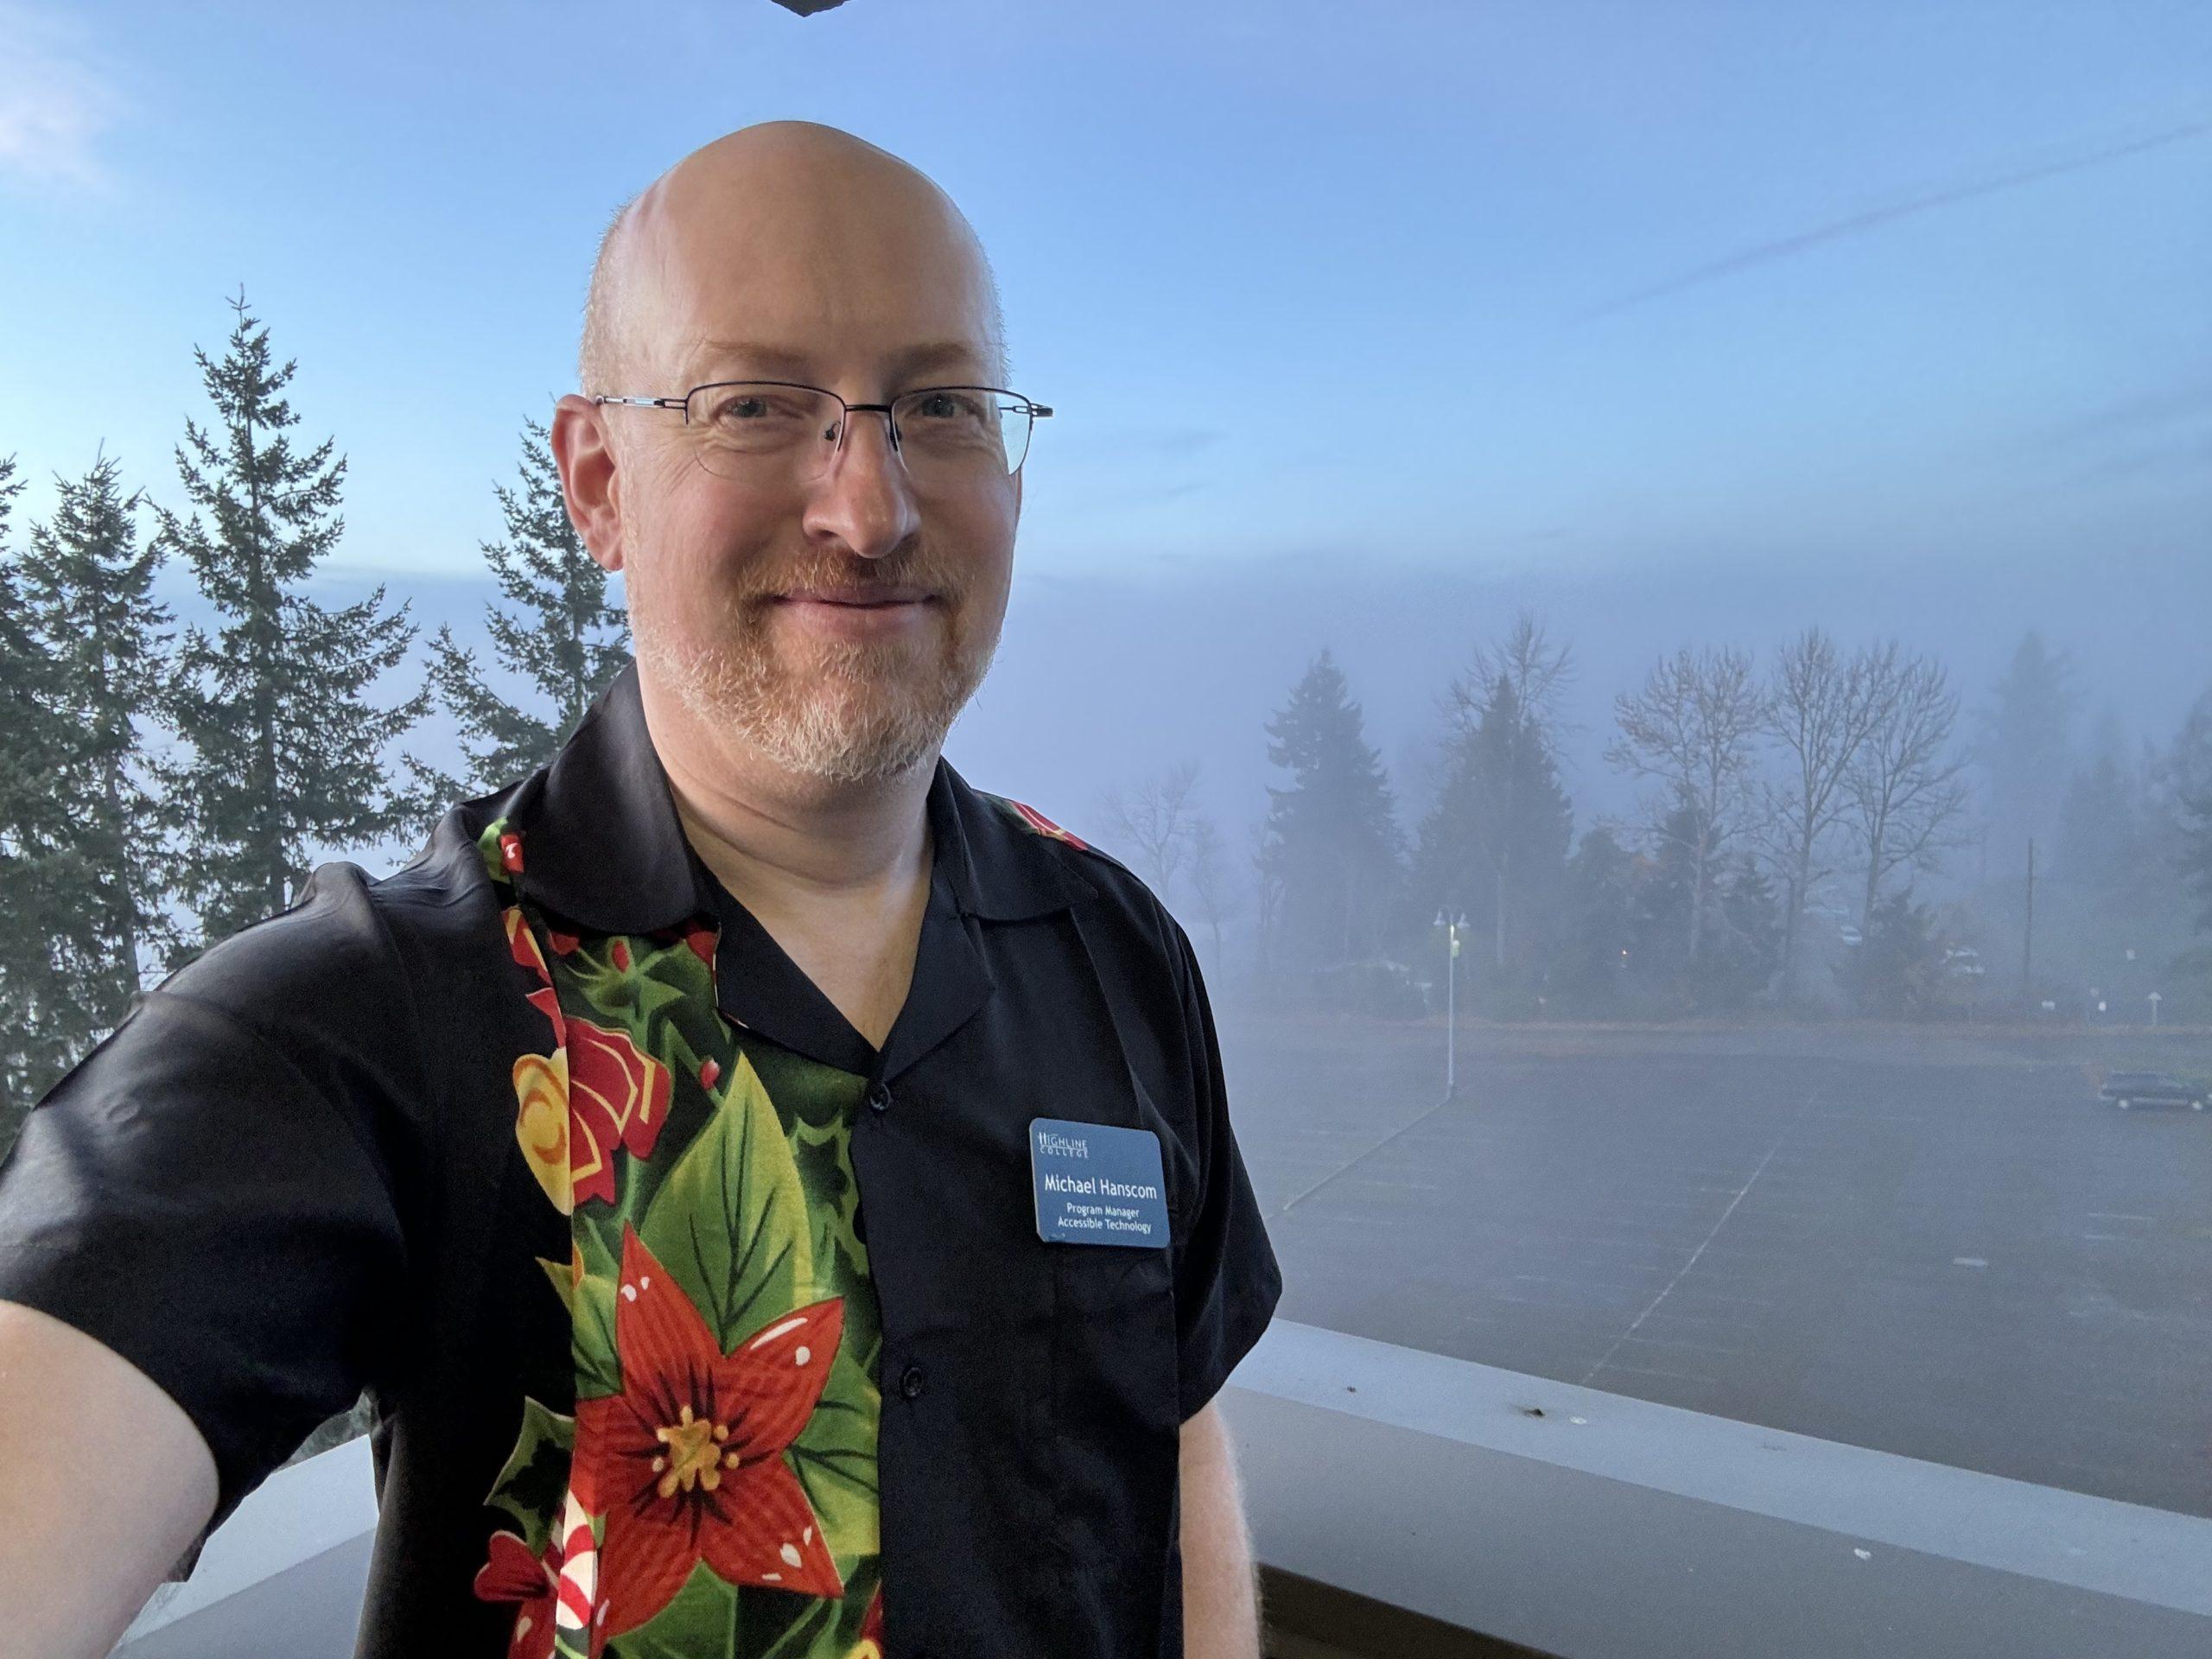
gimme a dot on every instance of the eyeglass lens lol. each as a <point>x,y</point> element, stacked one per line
<point>945,434</point>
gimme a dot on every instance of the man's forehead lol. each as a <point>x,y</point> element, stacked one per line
<point>727,354</point>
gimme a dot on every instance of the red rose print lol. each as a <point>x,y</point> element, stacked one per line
<point>618,1096</point>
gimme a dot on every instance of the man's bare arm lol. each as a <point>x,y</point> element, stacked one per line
<point>104,1482</point>
<point>1221,1614</point>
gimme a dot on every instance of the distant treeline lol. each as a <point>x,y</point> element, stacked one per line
<point>1793,824</point>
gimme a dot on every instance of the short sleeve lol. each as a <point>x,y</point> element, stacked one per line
<point>208,1191</point>
<point>1227,1280</point>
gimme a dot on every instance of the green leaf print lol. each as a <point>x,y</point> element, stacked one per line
<point>812,1634</point>
<point>835,1458</point>
<point>702,1622</point>
<point>591,1327</point>
<point>563,1286</point>
<point>730,1221</point>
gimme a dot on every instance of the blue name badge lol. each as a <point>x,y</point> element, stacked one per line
<point>1097,1184</point>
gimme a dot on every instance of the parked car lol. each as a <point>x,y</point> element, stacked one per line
<point>1963,961</point>
<point>2127,1089</point>
<point>1849,933</point>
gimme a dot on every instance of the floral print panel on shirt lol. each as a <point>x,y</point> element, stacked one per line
<point>714,1494</point>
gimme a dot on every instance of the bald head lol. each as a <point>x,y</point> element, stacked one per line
<point>790,232</point>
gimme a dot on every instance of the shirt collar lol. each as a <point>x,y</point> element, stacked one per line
<point>603,845</point>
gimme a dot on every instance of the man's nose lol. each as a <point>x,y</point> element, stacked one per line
<point>865,498</point>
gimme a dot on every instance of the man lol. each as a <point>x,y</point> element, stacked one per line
<point>679,1150</point>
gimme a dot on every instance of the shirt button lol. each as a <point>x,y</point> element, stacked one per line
<point>879,1096</point>
<point>912,1383</point>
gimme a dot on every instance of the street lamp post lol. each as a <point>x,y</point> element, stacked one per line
<point>1451,926</point>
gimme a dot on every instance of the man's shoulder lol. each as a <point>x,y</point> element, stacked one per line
<point>349,937</point>
<point>1091,862</point>
<point>1101,877</point>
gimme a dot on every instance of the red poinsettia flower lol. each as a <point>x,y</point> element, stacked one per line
<point>687,1462</point>
<point>512,1574</point>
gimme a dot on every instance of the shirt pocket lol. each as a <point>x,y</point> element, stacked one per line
<point>1116,1439</point>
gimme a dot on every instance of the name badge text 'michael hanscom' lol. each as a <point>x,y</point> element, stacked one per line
<point>1097,1184</point>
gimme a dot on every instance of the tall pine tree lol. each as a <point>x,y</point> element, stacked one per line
<point>1495,845</point>
<point>2026,752</point>
<point>89,588</point>
<point>563,638</point>
<point>1331,843</point>
<point>37,1035</point>
<point>286,750</point>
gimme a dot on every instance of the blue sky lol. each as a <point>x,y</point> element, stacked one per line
<point>1310,284</point>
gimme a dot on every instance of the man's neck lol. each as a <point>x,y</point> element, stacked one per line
<point>786,846</point>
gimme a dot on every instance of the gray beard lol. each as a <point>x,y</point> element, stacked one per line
<point>860,716</point>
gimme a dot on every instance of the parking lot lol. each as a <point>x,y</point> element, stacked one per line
<point>1937,1244</point>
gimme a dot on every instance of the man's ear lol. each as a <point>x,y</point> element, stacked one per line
<point>583,451</point>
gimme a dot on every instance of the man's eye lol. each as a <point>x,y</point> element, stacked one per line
<point>947,406</point>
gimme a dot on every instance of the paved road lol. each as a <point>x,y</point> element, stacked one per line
<point>1939,1246</point>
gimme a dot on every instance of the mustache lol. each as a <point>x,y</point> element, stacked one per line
<point>862,576</point>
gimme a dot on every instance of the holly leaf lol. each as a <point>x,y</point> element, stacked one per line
<point>730,1221</point>
<point>531,1486</point>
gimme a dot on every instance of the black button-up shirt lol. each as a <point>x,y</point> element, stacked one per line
<point>307,1165</point>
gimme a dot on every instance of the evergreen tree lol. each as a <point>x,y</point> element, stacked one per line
<point>1745,957</point>
<point>286,749</point>
<point>2182,821</point>
<point>1495,845</point>
<point>37,1038</point>
<point>1330,841</point>
<point>89,589</point>
<point>2026,749</point>
<point>2100,827</point>
<point>1895,970</point>
<point>1593,962</point>
<point>1737,949</point>
<point>563,638</point>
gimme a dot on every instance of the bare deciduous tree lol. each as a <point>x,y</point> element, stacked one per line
<point>1269,891</point>
<point>1154,822</point>
<point>1692,728</point>
<point>1526,661</point>
<point>1906,793</point>
<point>1211,885</point>
<point>1820,710</point>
